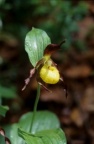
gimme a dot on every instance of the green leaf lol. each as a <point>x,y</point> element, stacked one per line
<point>3,110</point>
<point>7,92</point>
<point>35,42</point>
<point>2,139</point>
<point>12,133</point>
<point>55,136</point>
<point>44,120</point>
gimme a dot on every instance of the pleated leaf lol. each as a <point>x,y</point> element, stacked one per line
<point>35,42</point>
<point>44,120</point>
<point>55,136</point>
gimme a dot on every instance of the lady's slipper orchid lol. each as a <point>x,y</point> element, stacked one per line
<point>45,69</point>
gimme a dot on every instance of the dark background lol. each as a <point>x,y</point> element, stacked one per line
<point>61,19</point>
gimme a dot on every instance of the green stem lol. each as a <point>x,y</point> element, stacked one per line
<point>35,107</point>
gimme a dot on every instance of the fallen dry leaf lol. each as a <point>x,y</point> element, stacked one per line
<point>80,71</point>
<point>78,117</point>
<point>87,102</point>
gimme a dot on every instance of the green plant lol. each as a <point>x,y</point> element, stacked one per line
<point>55,17</point>
<point>8,72</point>
<point>38,127</point>
<point>6,93</point>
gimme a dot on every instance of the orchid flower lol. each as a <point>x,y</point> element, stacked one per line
<point>46,70</point>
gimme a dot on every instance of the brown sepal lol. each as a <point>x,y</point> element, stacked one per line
<point>52,48</point>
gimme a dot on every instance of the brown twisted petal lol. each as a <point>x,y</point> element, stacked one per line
<point>28,79</point>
